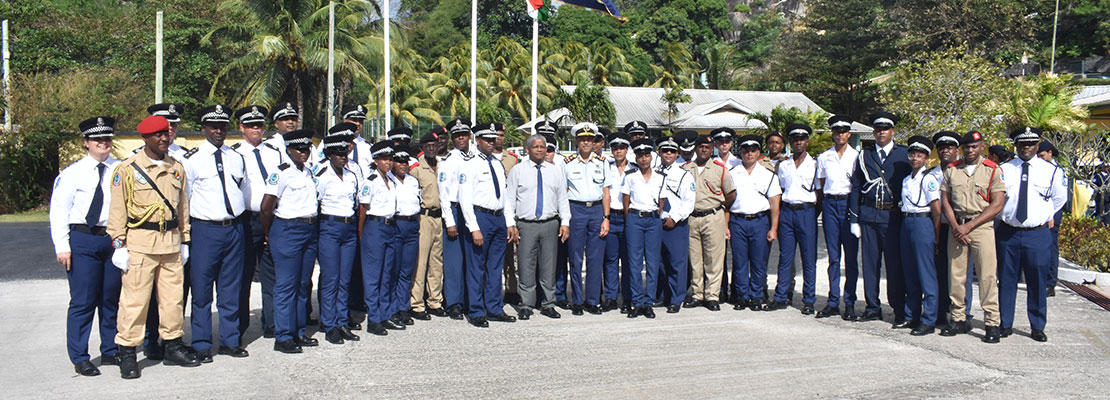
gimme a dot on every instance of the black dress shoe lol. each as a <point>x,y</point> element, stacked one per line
<point>658,304</point>
<point>397,321</point>
<point>438,312</point>
<point>421,315</point>
<point>1050,292</point>
<point>354,326</point>
<point>955,328</point>
<point>267,333</point>
<point>849,314</point>
<point>775,306</point>
<point>828,311</point>
<point>406,318</point>
<point>455,312</point>
<point>524,314</point>
<point>648,312</point>
<point>673,309</point>
<point>562,304</point>
<point>807,309</point>
<point>346,334</point>
<point>901,324</point>
<point>922,330</point>
<point>237,352</point>
<point>608,305</point>
<point>376,329</point>
<point>177,354</point>
<point>756,305</point>
<point>109,360</point>
<point>156,351</point>
<point>205,357</point>
<point>550,312</point>
<point>288,347</point>
<point>86,368</point>
<point>512,298</point>
<point>478,322</point>
<point>576,309</point>
<point>632,312</point>
<point>871,316</point>
<point>389,324</point>
<point>692,304</point>
<point>306,341</point>
<point>713,305</point>
<point>739,304</point>
<point>993,335</point>
<point>501,318</point>
<point>312,321</point>
<point>1039,336</point>
<point>128,366</point>
<point>1006,332</point>
<point>595,310</point>
<point>334,337</point>
<point>625,308</point>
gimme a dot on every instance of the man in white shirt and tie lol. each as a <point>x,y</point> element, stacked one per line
<point>834,173</point>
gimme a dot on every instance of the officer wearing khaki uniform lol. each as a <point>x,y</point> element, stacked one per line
<point>428,279</point>
<point>714,193</point>
<point>972,193</point>
<point>149,224</point>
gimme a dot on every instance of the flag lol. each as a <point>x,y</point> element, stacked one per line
<point>604,6</point>
<point>536,9</point>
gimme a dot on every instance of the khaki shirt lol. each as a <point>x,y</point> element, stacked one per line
<point>970,195</point>
<point>771,164</point>
<point>429,184</point>
<point>712,184</point>
<point>133,198</point>
<point>509,160</point>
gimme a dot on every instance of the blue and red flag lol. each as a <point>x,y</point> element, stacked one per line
<point>604,6</point>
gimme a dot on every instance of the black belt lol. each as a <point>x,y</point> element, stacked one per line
<point>154,226</point>
<point>644,213</point>
<point>881,206</point>
<point>496,213</point>
<point>384,220</point>
<point>346,220</point>
<point>1032,228</point>
<point>539,221</point>
<point>916,215</point>
<point>431,212</point>
<point>964,220</point>
<point>703,213</point>
<point>836,196</point>
<point>757,215</point>
<point>800,206</point>
<point>455,204</point>
<point>586,203</point>
<point>228,222</point>
<point>96,230</point>
<point>413,217</point>
<point>303,220</point>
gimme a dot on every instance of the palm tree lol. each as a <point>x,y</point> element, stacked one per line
<point>673,97</point>
<point>721,61</point>
<point>678,65</point>
<point>609,67</point>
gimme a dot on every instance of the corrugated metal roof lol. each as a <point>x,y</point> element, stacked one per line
<point>1091,91</point>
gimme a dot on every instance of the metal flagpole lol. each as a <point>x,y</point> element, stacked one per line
<point>388,79</point>
<point>1055,21</point>
<point>473,61</point>
<point>7,81</point>
<point>535,61</point>
<point>331,65</point>
<point>158,60</point>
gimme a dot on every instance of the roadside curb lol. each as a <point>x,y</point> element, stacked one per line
<point>1071,272</point>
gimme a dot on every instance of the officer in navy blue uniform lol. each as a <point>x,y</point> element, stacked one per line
<point>337,184</point>
<point>920,206</point>
<point>378,230</point>
<point>801,198</point>
<point>875,217</point>
<point>616,252</point>
<point>455,235</point>
<point>78,220</point>
<point>642,193</point>
<point>588,183</point>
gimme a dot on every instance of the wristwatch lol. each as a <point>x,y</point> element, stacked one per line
<point>117,243</point>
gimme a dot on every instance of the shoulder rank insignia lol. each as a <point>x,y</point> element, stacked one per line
<point>237,145</point>
<point>629,172</point>
<point>270,145</point>
<point>137,150</point>
<point>283,166</point>
<point>190,153</point>
<point>372,177</point>
<point>321,170</point>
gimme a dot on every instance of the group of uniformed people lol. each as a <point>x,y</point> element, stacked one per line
<point>453,226</point>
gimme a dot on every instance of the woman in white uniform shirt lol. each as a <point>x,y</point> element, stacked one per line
<point>337,184</point>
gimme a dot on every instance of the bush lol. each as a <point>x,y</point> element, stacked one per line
<point>1086,242</point>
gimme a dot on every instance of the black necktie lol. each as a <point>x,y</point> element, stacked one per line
<point>223,181</point>
<point>882,156</point>
<point>354,153</point>
<point>1023,194</point>
<point>93,216</point>
<point>493,173</point>
<point>261,168</point>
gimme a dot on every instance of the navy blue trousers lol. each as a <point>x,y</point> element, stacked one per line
<point>879,243</point>
<point>407,251</point>
<point>922,294</point>
<point>643,236</point>
<point>797,229</point>
<point>379,255</point>
<point>675,257</point>
<point>840,241</point>
<point>1023,253</point>
<point>616,258</point>
<point>217,263</point>
<point>455,256</point>
<point>585,223</point>
<point>294,249</point>
<point>749,256</point>
<point>338,246</point>
<point>562,261</point>
<point>94,285</point>
<point>252,256</point>
<point>483,275</point>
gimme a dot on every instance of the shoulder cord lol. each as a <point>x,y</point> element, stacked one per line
<point>141,211</point>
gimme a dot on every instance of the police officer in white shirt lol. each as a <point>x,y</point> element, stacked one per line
<point>215,177</point>
<point>408,228</point>
<point>360,153</point>
<point>616,253</point>
<point>456,237</point>
<point>722,140</point>
<point>1035,191</point>
<point>588,182</point>
<point>834,173</point>
<point>337,186</point>
<point>637,130</point>
<point>679,190</point>
<point>379,243</point>
<point>920,204</point>
<point>284,115</point>
<point>753,223</point>
<point>642,191</point>
<point>801,197</point>
<point>78,219</point>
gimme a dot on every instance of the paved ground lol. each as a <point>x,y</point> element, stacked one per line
<point>695,353</point>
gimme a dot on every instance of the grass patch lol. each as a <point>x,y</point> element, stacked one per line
<point>36,215</point>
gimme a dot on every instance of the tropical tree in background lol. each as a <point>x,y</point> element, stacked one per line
<point>678,65</point>
<point>781,116</point>
<point>672,98</point>
<point>588,103</point>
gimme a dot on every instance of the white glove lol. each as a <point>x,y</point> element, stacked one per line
<point>184,253</point>
<point>120,258</point>
<point>854,227</point>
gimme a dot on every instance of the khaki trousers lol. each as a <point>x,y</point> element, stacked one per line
<point>144,271</point>
<point>982,250</point>
<point>428,278</point>
<point>707,255</point>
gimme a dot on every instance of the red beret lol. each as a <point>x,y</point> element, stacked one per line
<point>153,124</point>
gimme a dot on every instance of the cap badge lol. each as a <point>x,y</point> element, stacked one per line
<point>172,109</point>
<point>219,108</point>
<point>99,121</point>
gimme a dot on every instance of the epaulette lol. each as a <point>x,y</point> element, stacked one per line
<point>283,166</point>
<point>414,165</point>
<point>270,145</point>
<point>372,177</point>
<point>421,154</point>
<point>956,163</point>
<point>718,162</point>
<point>237,145</point>
<point>629,172</point>
<point>444,157</point>
<point>570,158</point>
<point>685,164</point>
<point>321,170</point>
<point>989,163</point>
<point>137,149</point>
<point>510,153</point>
<point>191,152</point>
<point>467,157</point>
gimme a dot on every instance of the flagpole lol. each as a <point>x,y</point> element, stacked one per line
<point>330,116</point>
<point>388,79</point>
<point>473,61</point>
<point>535,60</point>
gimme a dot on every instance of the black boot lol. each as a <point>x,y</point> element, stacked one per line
<point>128,366</point>
<point>177,354</point>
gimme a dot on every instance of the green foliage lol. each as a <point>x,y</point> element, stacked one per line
<point>781,116</point>
<point>997,28</point>
<point>589,103</point>
<point>692,23</point>
<point>742,8</point>
<point>1086,242</point>
<point>672,97</point>
<point>1045,101</point>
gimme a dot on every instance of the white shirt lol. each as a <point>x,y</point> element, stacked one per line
<point>278,142</point>
<point>450,168</point>
<point>837,170</point>
<point>885,149</point>
<point>338,196</point>
<point>731,162</point>
<point>175,151</point>
<point>73,194</point>
<point>753,190</point>
<point>799,184</point>
<point>522,192</point>
<point>295,190</point>
<point>361,154</point>
<point>478,188</point>
<point>207,187</point>
<point>616,198</point>
<point>586,179</point>
<point>1047,192</point>
<point>379,195</point>
<point>919,189</point>
<point>643,195</point>
<point>680,191</point>
<point>408,194</point>
<point>256,179</point>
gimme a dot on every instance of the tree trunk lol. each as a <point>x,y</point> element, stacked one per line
<point>300,99</point>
